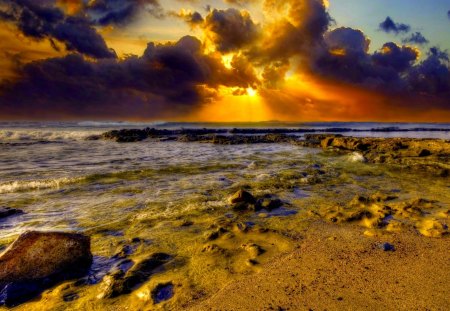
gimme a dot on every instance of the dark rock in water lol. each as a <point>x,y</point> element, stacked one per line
<point>387,247</point>
<point>120,282</point>
<point>39,260</point>
<point>269,204</point>
<point>242,196</point>
<point>243,207</point>
<point>126,136</point>
<point>8,211</point>
<point>424,153</point>
<point>243,201</point>
<point>162,292</point>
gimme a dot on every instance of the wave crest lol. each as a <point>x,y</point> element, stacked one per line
<point>28,185</point>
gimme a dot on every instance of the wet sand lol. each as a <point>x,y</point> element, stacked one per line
<point>337,267</point>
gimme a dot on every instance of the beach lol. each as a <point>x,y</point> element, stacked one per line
<point>231,217</point>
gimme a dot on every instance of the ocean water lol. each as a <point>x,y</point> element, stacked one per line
<point>59,177</point>
<point>115,192</point>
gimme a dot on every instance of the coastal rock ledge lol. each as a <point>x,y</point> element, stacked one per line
<point>37,260</point>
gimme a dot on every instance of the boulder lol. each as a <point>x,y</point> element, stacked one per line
<point>39,260</point>
<point>36,255</point>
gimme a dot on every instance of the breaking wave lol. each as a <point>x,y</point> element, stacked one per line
<point>44,135</point>
<point>28,185</point>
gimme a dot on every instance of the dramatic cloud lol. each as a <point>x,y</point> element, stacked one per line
<point>416,38</point>
<point>119,12</point>
<point>43,20</point>
<point>166,78</point>
<point>390,26</point>
<point>291,58</point>
<point>193,19</point>
<point>230,29</point>
<point>298,32</point>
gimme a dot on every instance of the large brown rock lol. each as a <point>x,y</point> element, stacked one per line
<point>37,255</point>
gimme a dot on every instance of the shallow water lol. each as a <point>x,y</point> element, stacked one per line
<point>147,190</point>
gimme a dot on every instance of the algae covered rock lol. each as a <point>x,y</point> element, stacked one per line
<point>242,196</point>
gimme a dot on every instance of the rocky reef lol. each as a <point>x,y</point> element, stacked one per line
<point>431,155</point>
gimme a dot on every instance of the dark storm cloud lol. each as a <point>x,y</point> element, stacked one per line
<point>230,29</point>
<point>120,12</point>
<point>193,19</point>
<point>40,19</point>
<point>390,26</point>
<point>416,38</point>
<point>432,76</point>
<point>348,39</point>
<point>399,58</point>
<point>393,69</point>
<point>165,80</point>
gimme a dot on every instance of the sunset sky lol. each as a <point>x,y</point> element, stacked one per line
<point>225,60</point>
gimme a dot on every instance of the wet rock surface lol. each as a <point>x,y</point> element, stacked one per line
<point>243,201</point>
<point>162,292</point>
<point>123,279</point>
<point>38,260</point>
<point>8,211</point>
<point>430,155</point>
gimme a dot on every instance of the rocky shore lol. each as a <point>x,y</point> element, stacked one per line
<point>432,155</point>
<point>339,227</point>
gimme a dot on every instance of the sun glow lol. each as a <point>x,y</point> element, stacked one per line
<point>235,106</point>
<point>252,92</point>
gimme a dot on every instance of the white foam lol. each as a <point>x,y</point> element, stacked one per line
<point>357,157</point>
<point>44,135</point>
<point>28,185</point>
<point>119,123</point>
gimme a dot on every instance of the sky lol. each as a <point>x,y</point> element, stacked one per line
<point>225,60</point>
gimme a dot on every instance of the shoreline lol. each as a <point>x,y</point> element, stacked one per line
<point>288,225</point>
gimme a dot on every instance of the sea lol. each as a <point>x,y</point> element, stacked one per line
<point>64,182</point>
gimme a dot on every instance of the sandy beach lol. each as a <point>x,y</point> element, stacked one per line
<point>338,268</point>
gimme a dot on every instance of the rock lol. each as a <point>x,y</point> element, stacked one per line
<point>186,223</point>
<point>269,204</point>
<point>120,282</point>
<point>36,255</point>
<point>39,260</point>
<point>387,247</point>
<point>424,153</point>
<point>242,196</point>
<point>213,248</point>
<point>162,292</point>
<point>214,235</point>
<point>8,211</point>
<point>432,228</point>
<point>253,249</point>
<point>327,142</point>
